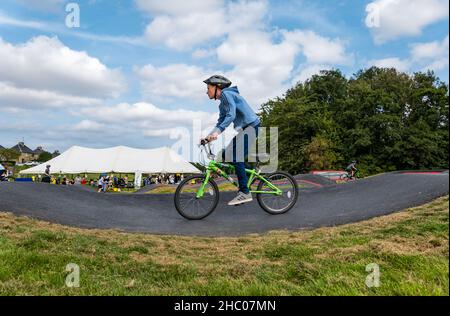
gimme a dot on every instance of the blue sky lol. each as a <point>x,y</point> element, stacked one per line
<point>131,73</point>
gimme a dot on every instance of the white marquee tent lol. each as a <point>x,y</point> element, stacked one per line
<point>77,160</point>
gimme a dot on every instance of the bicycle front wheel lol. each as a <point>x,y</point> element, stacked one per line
<point>278,204</point>
<point>187,203</point>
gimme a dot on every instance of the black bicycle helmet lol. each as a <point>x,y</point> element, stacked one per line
<point>218,81</point>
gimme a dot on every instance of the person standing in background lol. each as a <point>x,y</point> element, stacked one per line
<point>100,184</point>
<point>47,176</point>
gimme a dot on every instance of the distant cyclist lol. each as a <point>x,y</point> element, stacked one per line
<point>351,169</point>
<point>234,109</point>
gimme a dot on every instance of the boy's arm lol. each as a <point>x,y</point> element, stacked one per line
<point>216,130</point>
<point>227,115</point>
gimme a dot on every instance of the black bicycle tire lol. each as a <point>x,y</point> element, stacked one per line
<point>177,200</point>
<point>261,203</point>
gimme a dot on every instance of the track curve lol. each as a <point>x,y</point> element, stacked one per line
<point>326,206</point>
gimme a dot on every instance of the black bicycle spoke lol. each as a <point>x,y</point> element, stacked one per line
<point>188,202</point>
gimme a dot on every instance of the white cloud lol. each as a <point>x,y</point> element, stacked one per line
<point>176,7</point>
<point>184,25</point>
<point>52,6</point>
<point>146,113</point>
<point>57,29</point>
<point>255,48</point>
<point>183,32</point>
<point>434,54</point>
<point>392,19</point>
<point>203,53</point>
<point>122,40</point>
<point>260,67</point>
<point>307,71</point>
<point>147,119</point>
<point>165,132</point>
<point>6,20</point>
<point>393,62</point>
<point>45,63</point>
<point>23,126</point>
<point>263,67</point>
<point>437,65</point>
<point>262,61</point>
<point>319,49</point>
<point>89,126</point>
<point>246,14</point>
<point>24,98</point>
<point>423,57</point>
<point>173,81</point>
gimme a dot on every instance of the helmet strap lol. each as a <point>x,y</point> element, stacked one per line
<point>215,94</point>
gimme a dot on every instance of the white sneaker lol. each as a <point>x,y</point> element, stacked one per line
<point>241,198</point>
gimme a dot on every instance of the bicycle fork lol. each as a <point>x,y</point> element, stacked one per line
<point>201,190</point>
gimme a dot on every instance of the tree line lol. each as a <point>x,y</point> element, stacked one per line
<point>385,119</point>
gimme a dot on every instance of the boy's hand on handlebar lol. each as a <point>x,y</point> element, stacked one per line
<point>212,137</point>
<point>209,139</point>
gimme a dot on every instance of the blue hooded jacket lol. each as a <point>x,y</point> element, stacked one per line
<point>234,108</point>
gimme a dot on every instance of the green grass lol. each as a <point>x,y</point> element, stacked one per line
<point>410,247</point>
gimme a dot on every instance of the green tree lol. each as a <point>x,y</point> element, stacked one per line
<point>320,154</point>
<point>8,154</point>
<point>386,119</point>
<point>44,156</point>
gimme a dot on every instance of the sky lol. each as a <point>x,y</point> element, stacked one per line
<point>131,72</point>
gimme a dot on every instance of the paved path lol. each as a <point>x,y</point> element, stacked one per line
<point>325,206</point>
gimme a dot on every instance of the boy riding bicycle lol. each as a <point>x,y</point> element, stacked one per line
<point>351,169</point>
<point>234,109</point>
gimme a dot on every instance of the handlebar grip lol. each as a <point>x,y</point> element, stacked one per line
<point>203,142</point>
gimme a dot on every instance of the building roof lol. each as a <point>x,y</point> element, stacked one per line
<point>39,150</point>
<point>22,148</point>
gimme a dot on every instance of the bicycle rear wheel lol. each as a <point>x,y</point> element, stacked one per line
<point>278,204</point>
<point>187,203</point>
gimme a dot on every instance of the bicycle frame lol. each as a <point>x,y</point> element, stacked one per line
<point>356,175</point>
<point>216,167</point>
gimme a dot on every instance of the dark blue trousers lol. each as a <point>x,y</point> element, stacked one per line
<point>237,152</point>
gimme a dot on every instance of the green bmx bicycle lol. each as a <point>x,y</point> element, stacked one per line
<point>197,196</point>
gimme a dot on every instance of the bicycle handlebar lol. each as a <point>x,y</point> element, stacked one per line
<point>206,144</point>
